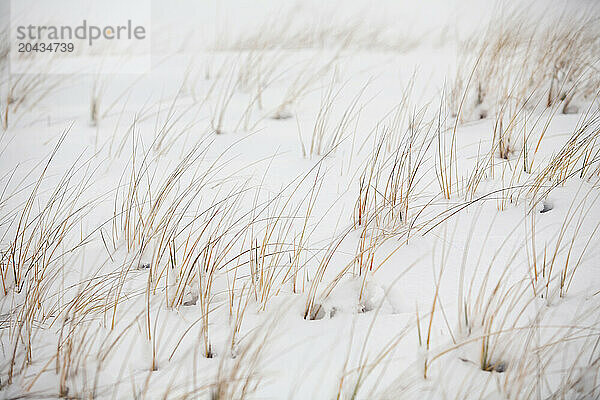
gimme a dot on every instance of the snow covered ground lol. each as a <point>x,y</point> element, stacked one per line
<point>310,200</point>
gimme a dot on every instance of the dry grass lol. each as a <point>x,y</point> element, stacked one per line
<point>197,237</point>
<point>326,32</point>
<point>549,63</point>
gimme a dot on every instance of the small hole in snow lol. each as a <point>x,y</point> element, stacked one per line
<point>499,367</point>
<point>546,207</point>
<point>279,115</point>
<point>317,312</point>
<point>365,307</point>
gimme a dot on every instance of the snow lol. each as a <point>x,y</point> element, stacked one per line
<point>209,253</point>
